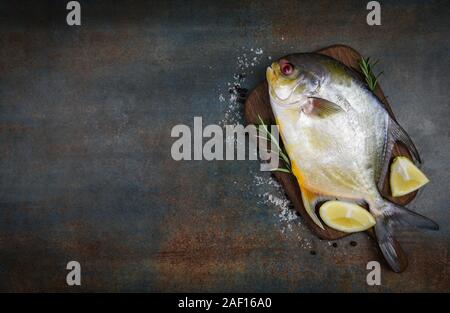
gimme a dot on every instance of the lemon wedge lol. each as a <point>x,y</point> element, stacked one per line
<point>405,177</point>
<point>345,216</point>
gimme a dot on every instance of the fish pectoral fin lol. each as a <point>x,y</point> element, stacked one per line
<point>310,200</point>
<point>321,108</point>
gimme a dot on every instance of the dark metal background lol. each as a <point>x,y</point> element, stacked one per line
<point>85,166</point>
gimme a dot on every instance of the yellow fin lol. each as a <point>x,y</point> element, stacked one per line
<point>309,201</point>
<point>309,198</point>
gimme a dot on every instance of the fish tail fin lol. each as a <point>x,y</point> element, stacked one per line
<point>393,214</point>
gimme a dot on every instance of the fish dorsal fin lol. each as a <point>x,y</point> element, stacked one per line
<point>398,134</point>
<point>321,108</point>
<point>395,133</point>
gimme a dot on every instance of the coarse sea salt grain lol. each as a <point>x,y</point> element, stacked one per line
<point>246,61</point>
<point>272,195</point>
<point>260,180</point>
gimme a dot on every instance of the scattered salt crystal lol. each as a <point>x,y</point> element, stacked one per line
<point>260,180</point>
<point>259,51</point>
<point>264,185</point>
<point>244,64</point>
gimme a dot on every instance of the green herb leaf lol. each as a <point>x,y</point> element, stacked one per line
<point>281,170</point>
<point>367,66</point>
<point>271,138</point>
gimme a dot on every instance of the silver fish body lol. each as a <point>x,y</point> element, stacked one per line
<point>339,138</point>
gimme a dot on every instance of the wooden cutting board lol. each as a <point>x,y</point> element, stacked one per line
<point>258,103</point>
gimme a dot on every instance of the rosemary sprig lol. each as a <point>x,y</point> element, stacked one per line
<point>367,66</point>
<point>269,137</point>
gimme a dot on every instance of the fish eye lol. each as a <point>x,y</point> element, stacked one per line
<point>286,68</point>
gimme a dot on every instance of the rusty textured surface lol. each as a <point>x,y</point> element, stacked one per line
<point>85,166</point>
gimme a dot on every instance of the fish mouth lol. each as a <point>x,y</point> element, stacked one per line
<point>272,77</point>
